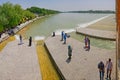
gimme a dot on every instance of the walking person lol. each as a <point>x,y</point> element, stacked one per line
<point>88,44</point>
<point>30,41</point>
<point>109,66</point>
<point>62,35</point>
<point>69,51</point>
<point>20,39</point>
<point>85,41</point>
<point>101,68</point>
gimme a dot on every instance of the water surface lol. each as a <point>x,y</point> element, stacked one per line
<point>46,25</point>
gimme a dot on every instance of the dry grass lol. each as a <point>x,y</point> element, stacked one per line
<point>47,69</point>
<point>4,43</point>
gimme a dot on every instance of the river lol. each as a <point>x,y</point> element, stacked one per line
<point>44,27</point>
<point>58,22</point>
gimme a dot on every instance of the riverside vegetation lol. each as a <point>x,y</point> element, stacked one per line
<point>13,15</point>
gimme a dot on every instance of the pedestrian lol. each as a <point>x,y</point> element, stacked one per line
<point>88,44</point>
<point>109,66</point>
<point>20,39</point>
<point>85,41</point>
<point>53,34</point>
<point>69,51</point>
<point>101,68</point>
<point>62,35</point>
<point>65,36</point>
<point>30,41</point>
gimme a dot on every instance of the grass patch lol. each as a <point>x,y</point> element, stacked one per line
<point>4,43</point>
<point>47,69</point>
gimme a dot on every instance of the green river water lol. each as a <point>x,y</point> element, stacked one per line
<point>67,21</point>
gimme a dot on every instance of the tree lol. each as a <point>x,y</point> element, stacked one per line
<point>12,15</point>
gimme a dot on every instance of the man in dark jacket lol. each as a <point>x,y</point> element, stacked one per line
<point>30,41</point>
<point>69,51</point>
<point>101,68</point>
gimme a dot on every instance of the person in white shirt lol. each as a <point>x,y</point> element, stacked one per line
<point>109,66</point>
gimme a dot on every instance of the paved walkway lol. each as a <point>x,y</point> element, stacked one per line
<point>111,35</point>
<point>83,65</point>
<point>19,62</point>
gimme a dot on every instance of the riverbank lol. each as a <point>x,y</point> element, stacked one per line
<point>4,36</point>
<point>20,29</point>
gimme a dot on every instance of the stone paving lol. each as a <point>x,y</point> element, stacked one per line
<point>110,35</point>
<point>83,65</point>
<point>19,62</point>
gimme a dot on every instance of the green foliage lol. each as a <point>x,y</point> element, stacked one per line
<point>41,11</point>
<point>1,28</point>
<point>12,15</point>
<point>28,15</point>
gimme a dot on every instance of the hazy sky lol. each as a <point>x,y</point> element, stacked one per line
<point>66,5</point>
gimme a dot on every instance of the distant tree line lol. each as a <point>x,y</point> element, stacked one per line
<point>13,15</point>
<point>92,11</point>
<point>41,11</point>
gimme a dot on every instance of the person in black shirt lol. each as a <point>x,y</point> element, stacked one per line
<point>30,41</point>
<point>101,68</point>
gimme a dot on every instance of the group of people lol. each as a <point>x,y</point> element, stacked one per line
<point>21,40</point>
<point>101,68</point>
<point>64,37</point>
<point>87,43</point>
<point>101,65</point>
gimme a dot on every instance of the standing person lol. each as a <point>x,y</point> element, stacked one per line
<point>88,44</point>
<point>20,39</point>
<point>109,66</point>
<point>30,41</point>
<point>69,51</point>
<point>53,34</point>
<point>65,36</point>
<point>101,68</point>
<point>62,35</point>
